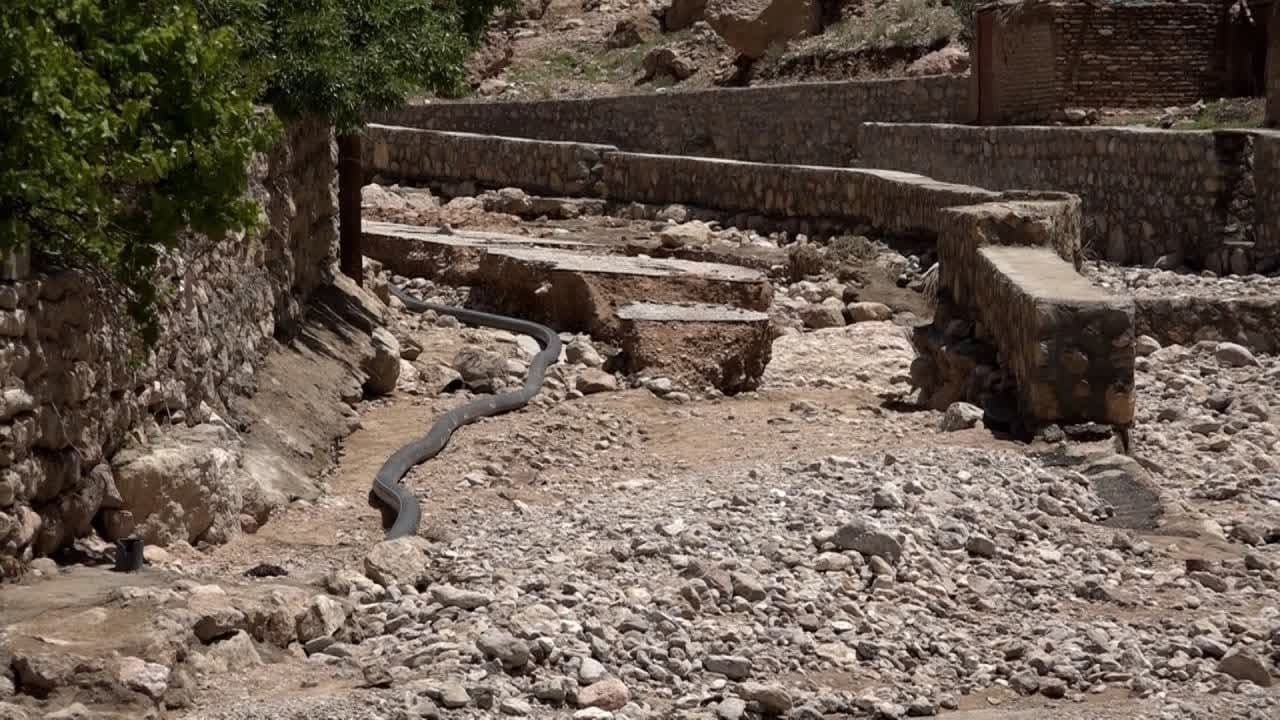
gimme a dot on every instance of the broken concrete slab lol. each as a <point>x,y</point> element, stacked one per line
<point>453,257</point>
<point>579,292</point>
<point>724,347</point>
<point>765,259</point>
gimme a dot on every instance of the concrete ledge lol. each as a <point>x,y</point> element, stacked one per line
<point>890,201</point>
<point>724,347</point>
<point>1069,343</point>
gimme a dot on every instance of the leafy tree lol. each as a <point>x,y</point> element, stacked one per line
<point>122,124</point>
<point>343,58</point>
<point>967,11</point>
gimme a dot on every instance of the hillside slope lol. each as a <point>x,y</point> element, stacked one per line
<point>584,48</point>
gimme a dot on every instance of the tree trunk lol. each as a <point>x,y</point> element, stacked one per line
<point>350,175</point>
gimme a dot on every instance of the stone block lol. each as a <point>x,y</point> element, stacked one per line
<point>696,345</point>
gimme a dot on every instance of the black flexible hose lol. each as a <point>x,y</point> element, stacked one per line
<point>386,484</point>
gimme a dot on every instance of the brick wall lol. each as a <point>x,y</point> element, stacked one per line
<point>1147,54</point>
<point>1273,66</point>
<point>806,123</point>
<point>1047,56</point>
<point>1147,193</point>
<point>1021,79</point>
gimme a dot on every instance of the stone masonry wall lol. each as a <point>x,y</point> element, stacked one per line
<point>1068,344</point>
<point>75,384</point>
<point>889,201</point>
<point>807,123</point>
<point>560,168</point>
<point>1147,193</point>
<point>1266,187</point>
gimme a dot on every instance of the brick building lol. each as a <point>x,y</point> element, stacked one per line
<point>1036,57</point>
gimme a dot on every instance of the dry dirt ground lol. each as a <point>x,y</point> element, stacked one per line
<point>801,550</point>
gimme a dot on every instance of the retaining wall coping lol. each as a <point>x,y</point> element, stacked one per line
<point>505,138</point>
<point>1068,129</point>
<point>702,93</point>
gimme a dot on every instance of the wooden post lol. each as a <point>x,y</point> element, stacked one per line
<point>350,177</point>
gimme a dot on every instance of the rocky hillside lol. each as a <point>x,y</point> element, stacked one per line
<point>581,48</point>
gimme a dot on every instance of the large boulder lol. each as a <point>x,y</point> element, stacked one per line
<point>402,561</point>
<point>184,485</point>
<point>667,62</point>
<point>214,615</point>
<point>322,617</point>
<point>682,14</point>
<point>751,26</point>
<point>384,366</point>
<point>482,370</point>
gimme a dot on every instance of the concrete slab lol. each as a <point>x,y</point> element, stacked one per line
<point>419,251</point>
<point>580,292</point>
<point>629,265</point>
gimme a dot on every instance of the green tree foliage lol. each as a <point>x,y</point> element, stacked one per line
<point>342,58</point>
<point>967,11</point>
<point>122,124</point>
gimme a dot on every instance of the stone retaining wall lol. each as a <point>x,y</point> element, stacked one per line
<point>76,385</point>
<point>558,168</point>
<point>1147,193</point>
<point>1188,319</point>
<point>964,219</point>
<point>889,201</point>
<point>805,123</point>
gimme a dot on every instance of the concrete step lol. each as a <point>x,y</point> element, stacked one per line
<point>696,345</point>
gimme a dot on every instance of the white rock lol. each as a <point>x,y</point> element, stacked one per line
<point>148,678</point>
<point>1234,355</point>
<point>961,416</point>
<point>322,617</point>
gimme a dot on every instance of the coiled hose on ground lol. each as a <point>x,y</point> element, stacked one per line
<point>386,484</point>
